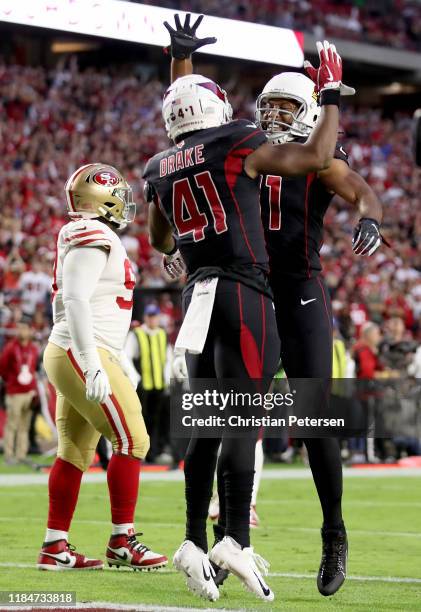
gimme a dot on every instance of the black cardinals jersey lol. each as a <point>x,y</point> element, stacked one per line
<point>213,205</point>
<point>292,213</point>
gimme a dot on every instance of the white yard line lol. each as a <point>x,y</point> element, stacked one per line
<point>394,534</point>
<point>164,570</point>
<point>12,480</point>
<point>262,502</point>
<point>363,532</point>
<point>396,579</point>
<point>310,502</point>
<point>298,576</point>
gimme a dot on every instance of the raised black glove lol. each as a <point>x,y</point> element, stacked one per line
<point>367,237</point>
<point>183,39</point>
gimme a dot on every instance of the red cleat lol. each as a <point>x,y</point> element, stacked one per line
<point>60,555</point>
<point>124,549</point>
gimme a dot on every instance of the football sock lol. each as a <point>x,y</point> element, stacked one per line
<point>218,532</point>
<point>123,485</point>
<point>199,469</point>
<point>258,467</point>
<point>237,466</point>
<point>324,456</point>
<point>63,491</point>
<point>52,535</point>
<point>125,528</point>
<point>238,486</point>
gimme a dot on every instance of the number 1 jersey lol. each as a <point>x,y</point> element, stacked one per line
<point>111,301</point>
<point>201,186</point>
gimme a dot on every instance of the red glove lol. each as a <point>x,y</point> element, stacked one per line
<point>329,73</point>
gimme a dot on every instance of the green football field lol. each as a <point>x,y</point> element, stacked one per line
<point>383,517</point>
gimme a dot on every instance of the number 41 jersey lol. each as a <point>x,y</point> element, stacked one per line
<point>213,205</point>
<point>111,301</point>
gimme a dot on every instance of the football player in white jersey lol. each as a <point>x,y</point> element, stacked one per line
<point>92,307</point>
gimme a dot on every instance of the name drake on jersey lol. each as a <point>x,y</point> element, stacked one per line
<point>191,156</point>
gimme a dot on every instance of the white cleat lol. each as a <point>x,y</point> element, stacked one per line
<point>195,565</point>
<point>245,564</point>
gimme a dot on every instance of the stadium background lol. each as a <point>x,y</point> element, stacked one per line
<point>66,99</point>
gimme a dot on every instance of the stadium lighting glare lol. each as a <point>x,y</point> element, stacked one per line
<point>396,88</point>
<point>140,23</point>
<point>67,46</point>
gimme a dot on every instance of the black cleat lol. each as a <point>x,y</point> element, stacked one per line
<point>220,574</point>
<point>332,572</point>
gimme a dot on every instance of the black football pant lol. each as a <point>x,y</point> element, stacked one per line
<point>304,319</point>
<point>242,345</point>
<point>155,414</point>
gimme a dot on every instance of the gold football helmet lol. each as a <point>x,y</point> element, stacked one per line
<point>99,190</point>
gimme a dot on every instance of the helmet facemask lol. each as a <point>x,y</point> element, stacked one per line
<point>122,212</point>
<point>268,118</point>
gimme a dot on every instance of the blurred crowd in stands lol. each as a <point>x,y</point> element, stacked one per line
<point>52,121</point>
<point>390,23</point>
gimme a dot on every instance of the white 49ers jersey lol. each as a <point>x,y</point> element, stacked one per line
<point>112,300</point>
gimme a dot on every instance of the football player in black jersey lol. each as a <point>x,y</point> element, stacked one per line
<point>293,209</point>
<point>204,200</point>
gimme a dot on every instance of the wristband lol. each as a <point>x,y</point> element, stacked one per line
<point>376,223</point>
<point>174,55</point>
<point>330,96</point>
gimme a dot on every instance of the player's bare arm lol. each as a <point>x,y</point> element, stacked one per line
<point>162,239</point>
<point>343,181</point>
<point>160,231</point>
<point>180,68</point>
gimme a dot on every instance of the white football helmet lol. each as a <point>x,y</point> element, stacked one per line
<point>194,102</point>
<point>291,86</point>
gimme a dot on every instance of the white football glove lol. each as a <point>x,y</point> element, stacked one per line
<point>174,265</point>
<point>98,386</point>
<point>179,367</point>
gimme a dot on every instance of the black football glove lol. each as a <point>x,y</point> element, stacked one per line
<point>184,40</point>
<point>367,237</point>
